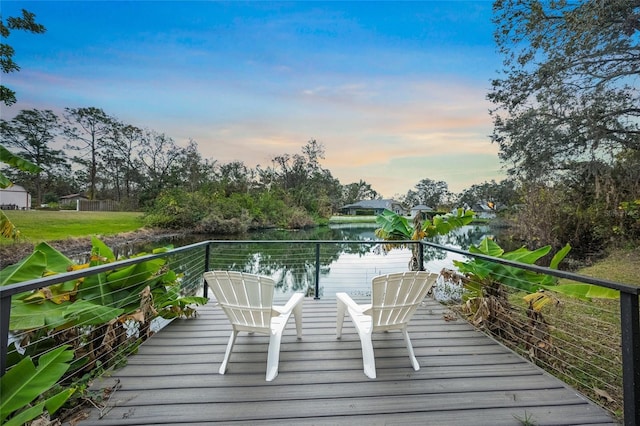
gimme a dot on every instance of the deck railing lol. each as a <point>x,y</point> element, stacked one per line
<point>320,268</point>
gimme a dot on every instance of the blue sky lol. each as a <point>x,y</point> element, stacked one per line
<point>395,91</point>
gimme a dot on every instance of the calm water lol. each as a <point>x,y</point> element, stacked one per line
<point>343,266</point>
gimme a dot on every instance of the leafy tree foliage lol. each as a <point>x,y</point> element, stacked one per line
<point>88,131</point>
<point>357,191</point>
<point>504,193</point>
<point>428,192</point>
<point>7,96</point>
<point>33,132</point>
<point>26,22</point>
<point>160,160</point>
<point>569,89</point>
<point>309,185</point>
<point>120,158</point>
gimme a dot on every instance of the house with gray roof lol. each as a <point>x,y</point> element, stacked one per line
<point>420,208</point>
<point>373,207</point>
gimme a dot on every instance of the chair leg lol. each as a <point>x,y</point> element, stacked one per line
<point>297,315</point>
<point>227,354</point>
<point>368,357</point>
<point>273,356</point>
<point>412,356</point>
<point>342,310</point>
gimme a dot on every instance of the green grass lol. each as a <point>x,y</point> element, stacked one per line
<point>621,265</point>
<point>41,225</point>
<point>352,219</point>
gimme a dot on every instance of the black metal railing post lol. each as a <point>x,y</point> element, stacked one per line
<point>421,256</point>
<point>317,290</point>
<point>205,287</point>
<point>630,322</point>
<point>5,316</point>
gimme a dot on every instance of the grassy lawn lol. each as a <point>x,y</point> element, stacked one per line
<point>41,225</point>
<point>620,266</point>
<point>352,219</point>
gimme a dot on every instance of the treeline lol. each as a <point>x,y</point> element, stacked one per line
<point>143,169</point>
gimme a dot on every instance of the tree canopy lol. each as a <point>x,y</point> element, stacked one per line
<point>569,84</point>
<point>26,22</point>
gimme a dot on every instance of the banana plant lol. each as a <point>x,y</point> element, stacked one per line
<point>24,383</point>
<point>7,228</point>
<point>102,302</point>
<point>482,273</point>
<point>396,227</point>
<point>486,301</point>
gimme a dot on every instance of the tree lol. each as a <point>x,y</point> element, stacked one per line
<point>428,192</point>
<point>26,23</point>
<point>121,158</point>
<point>160,160</point>
<point>503,193</point>
<point>303,178</point>
<point>234,177</point>
<point>197,173</point>
<point>569,84</point>
<point>8,96</point>
<point>357,191</point>
<point>89,130</point>
<point>32,132</point>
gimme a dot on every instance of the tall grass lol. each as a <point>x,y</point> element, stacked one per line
<point>41,225</point>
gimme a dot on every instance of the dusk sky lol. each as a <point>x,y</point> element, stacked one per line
<point>395,91</point>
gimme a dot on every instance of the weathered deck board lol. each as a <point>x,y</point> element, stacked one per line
<point>465,378</point>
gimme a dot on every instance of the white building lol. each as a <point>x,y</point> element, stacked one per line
<point>15,197</point>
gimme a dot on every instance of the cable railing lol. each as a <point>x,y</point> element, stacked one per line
<point>592,344</point>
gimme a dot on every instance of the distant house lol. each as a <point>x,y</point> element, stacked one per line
<point>486,209</point>
<point>15,197</point>
<point>420,208</point>
<point>373,207</point>
<point>72,199</point>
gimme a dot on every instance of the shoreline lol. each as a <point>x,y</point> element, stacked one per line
<point>11,254</point>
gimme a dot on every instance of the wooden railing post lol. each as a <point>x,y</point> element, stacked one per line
<point>630,322</point>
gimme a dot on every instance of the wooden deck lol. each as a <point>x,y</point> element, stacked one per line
<point>465,378</point>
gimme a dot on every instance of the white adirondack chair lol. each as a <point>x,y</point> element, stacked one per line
<point>247,300</point>
<point>395,298</point>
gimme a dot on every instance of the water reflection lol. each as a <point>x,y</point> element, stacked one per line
<point>342,266</point>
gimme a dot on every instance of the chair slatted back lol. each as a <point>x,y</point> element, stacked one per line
<point>247,299</point>
<point>395,297</point>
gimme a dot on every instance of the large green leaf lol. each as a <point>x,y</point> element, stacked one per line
<point>94,289</point>
<point>488,247</point>
<point>524,255</point>
<point>101,253</point>
<point>24,382</point>
<point>559,256</point>
<point>27,315</point>
<point>29,268</point>
<point>585,291</point>
<point>26,416</point>
<point>134,274</point>
<point>393,226</point>
<point>16,161</point>
<point>56,261</point>
<point>52,405</point>
<point>86,313</point>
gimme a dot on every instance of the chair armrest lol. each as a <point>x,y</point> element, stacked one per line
<point>351,305</point>
<point>290,305</point>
